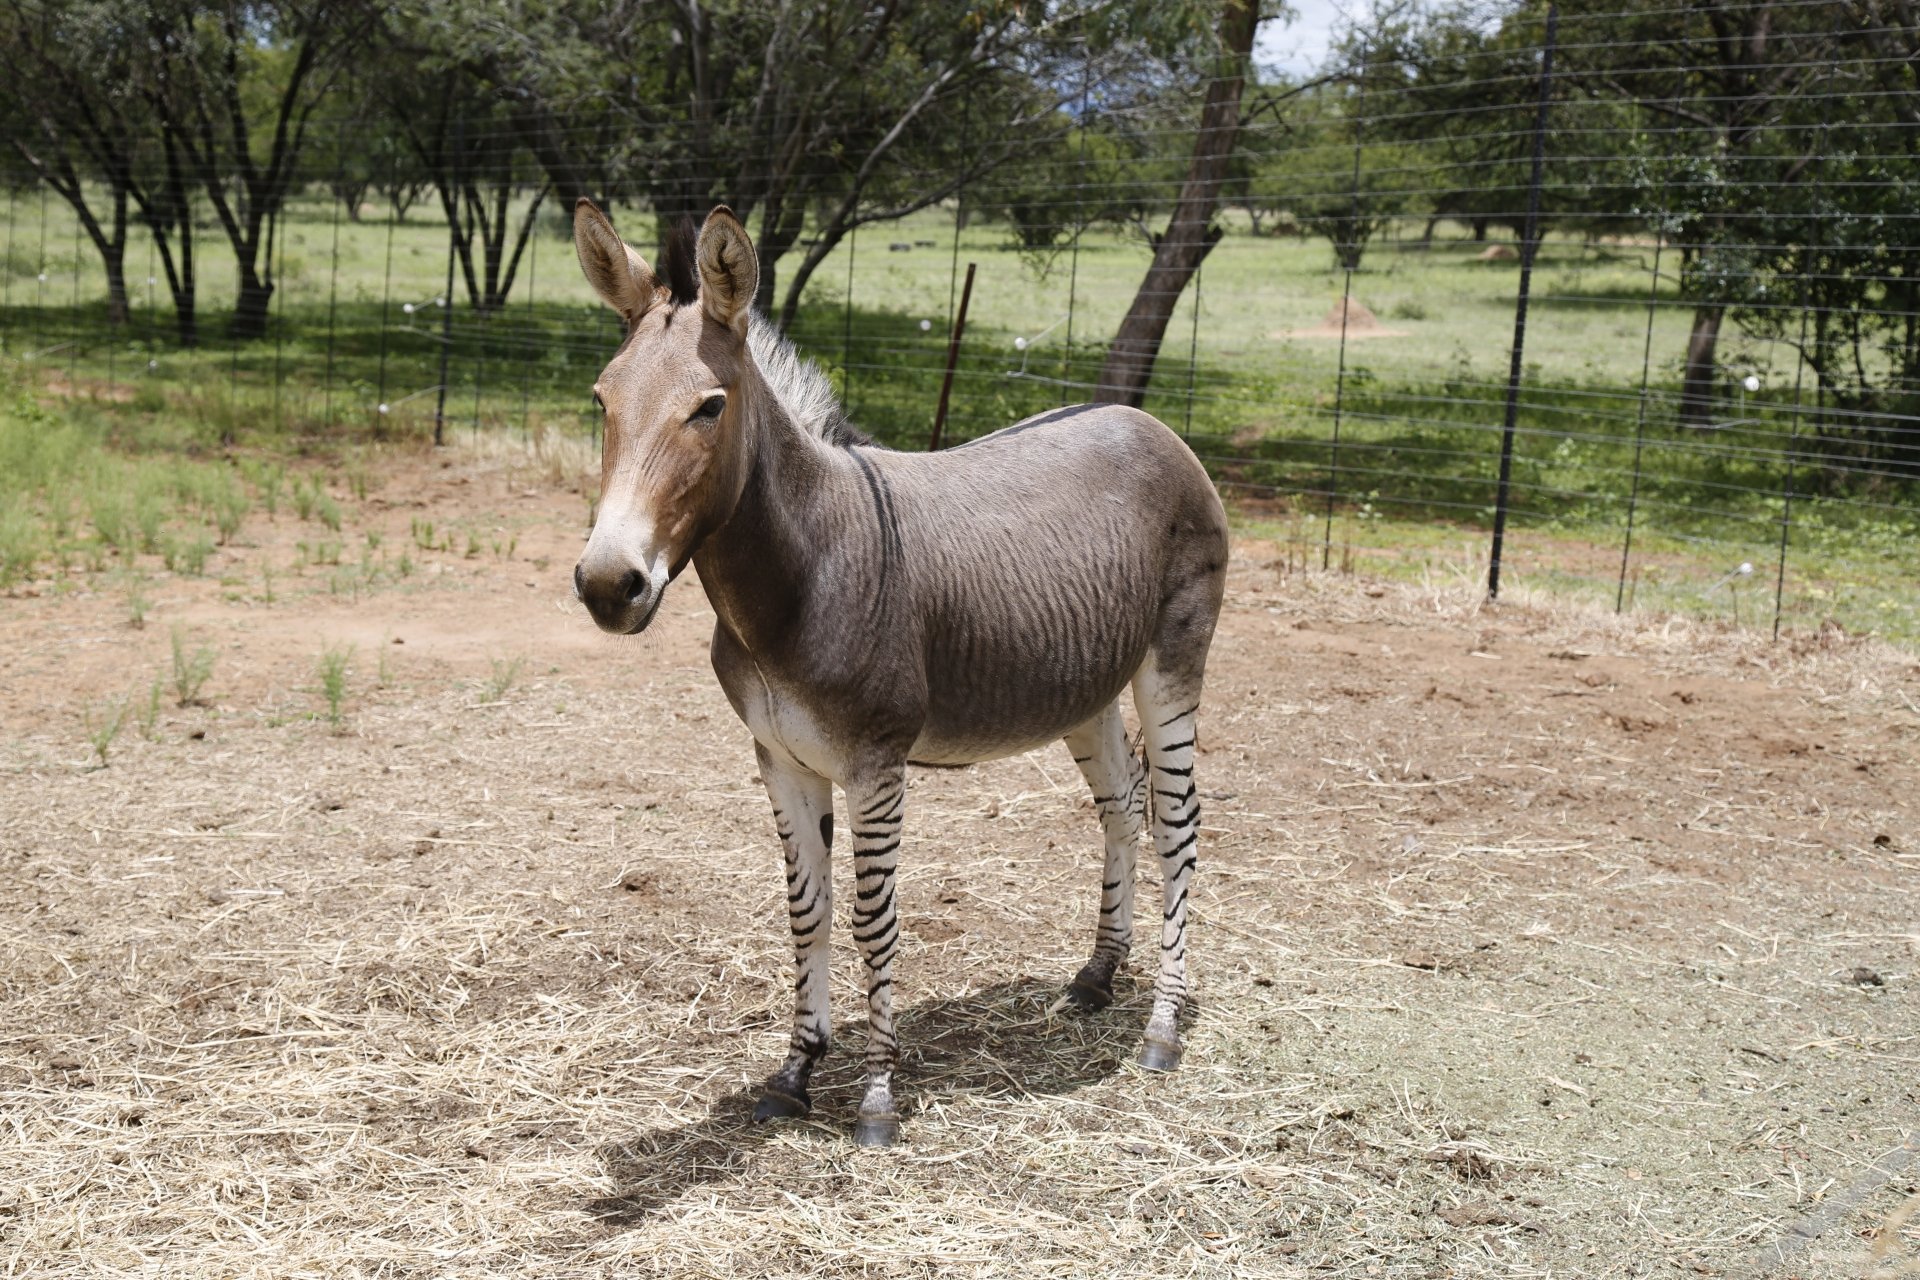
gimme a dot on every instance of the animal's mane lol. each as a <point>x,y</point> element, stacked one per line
<point>803,391</point>
<point>678,268</point>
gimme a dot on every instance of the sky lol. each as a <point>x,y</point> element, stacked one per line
<point>1298,46</point>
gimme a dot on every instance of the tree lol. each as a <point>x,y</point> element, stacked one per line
<point>1336,182</point>
<point>852,111</point>
<point>1191,233</point>
<point>65,97</point>
<point>1719,78</point>
<point>234,88</point>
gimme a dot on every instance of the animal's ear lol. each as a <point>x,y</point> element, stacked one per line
<point>729,270</point>
<point>619,275</point>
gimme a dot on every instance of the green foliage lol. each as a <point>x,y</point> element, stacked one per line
<point>326,509</point>
<point>148,712</point>
<point>187,553</point>
<point>331,671</point>
<point>102,726</point>
<point>137,601</point>
<point>501,679</point>
<point>190,670</point>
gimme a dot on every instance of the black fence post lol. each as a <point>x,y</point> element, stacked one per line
<point>6,286</point>
<point>1799,375</point>
<point>1079,222</point>
<point>1346,303</point>
<point>531,341</point>
<point>73,348</point>
<point>333,289</point>
<point>953,357</point>
<point>276,263</point>
<point>1193,346</point>
<point>446,298</point>
<point>40,281</point>
<point>1529,247</point>
<point>386,296</point>
<point>1640,421</point>
<point>846,329</point>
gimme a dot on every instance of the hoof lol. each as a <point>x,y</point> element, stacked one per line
<point>1086,997</point>
<point>778,1104</point>
<point>1159,1055</point>
<point>876,1130</point>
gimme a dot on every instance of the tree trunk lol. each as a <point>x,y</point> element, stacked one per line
<point>780,226</point>
<point>115,260</point>
<point>1190,234</point>
<point>1697,388</point>
<point>250,312</point>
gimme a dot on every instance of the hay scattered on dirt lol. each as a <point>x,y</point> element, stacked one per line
<point>1524,942</point>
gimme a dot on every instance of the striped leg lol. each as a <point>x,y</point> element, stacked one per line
<point>803,814</point>
<point>876,804</point>
<point>1119,784</point>
<point>1167,712</point>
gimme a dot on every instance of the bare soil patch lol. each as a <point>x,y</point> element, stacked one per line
<point>1528,941</point>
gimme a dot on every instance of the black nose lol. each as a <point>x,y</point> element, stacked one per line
<point>609,597</point>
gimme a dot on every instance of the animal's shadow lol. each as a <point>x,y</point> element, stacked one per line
<point>998,1040</point>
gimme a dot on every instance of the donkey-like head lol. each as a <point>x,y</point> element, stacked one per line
<point>675,459</point>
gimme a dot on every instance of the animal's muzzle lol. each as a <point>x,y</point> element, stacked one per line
<point>620,597</point>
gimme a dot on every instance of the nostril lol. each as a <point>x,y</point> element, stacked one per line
<point>633,587</point>
<point>579,584</point>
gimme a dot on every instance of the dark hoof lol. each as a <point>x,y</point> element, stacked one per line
<point>876,1130</point>
<point>1086,997</point>
<point>778,1104</point>
<point>1159,1055</point>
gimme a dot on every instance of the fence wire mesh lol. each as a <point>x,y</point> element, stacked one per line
<point>1632,295</point>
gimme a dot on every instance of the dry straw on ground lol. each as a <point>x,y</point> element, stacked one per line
<point>1529,942</point>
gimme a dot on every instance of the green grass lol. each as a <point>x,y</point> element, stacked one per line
<point>331,672</point>
<point>1242,373</point>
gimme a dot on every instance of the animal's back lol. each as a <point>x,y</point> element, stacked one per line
<point>1043,561</point>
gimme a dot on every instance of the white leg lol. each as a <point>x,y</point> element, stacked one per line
<point>1119,784</point>
<point>803,814</point>
<point>1168,710</point>
<point>876,804</point>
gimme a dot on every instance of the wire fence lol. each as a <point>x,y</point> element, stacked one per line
<point>1560,315</point>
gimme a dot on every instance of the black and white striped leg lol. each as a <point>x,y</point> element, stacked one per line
<point>1167,714</point>
<point>803,814</point>
<point>1119,783</point>
<point>876,804</point>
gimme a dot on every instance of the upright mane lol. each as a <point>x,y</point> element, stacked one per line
<point>803,391</point>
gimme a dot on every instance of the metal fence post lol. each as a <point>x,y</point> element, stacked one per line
<point>446,298</point>
<point>386,296</point>
<point>1079,222</point>
<point>1529,247</point>
<point>1640,421</point>
<point>333,288</point>
<point>1193,345</point>
<point>1346,303</point>
<point>1820,384</point>
<point>953,357</point>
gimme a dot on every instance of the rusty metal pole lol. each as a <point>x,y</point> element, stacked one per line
<point>953,356</point>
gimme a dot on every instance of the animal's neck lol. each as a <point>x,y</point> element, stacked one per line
<point>757,565</point>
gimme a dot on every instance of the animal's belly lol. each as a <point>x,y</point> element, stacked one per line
<point>1002,704</point>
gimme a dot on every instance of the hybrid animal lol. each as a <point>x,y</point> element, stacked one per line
<point>876,608</point>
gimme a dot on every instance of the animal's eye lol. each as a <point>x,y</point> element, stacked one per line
<point>709,408</point>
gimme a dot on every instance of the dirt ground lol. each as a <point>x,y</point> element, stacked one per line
<point>1528,941</point>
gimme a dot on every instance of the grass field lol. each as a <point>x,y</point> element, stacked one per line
<point>1383,457</point>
